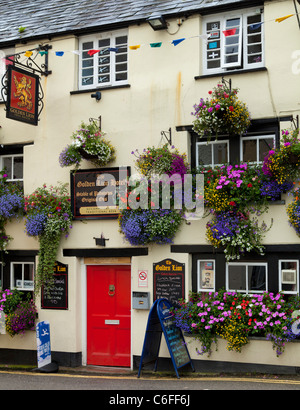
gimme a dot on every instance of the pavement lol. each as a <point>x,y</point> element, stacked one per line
<point>121,372</point>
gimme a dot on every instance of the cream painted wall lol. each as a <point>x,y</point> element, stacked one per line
<point>162,92</point>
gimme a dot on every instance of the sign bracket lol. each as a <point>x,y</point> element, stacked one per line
<point>31,64</point>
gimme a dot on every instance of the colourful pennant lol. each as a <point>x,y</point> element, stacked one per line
<point>255,26</point>
<point>280,19</point>
<point>176,42</point>
<point>155,45</point>
<point>135,47</point>
<point>59,53</point>
<point>28,53</point>
<point>230,32</point>
<point>113,49</point>
<point>92,52</point>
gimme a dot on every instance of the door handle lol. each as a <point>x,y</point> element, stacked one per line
<point>111,290</point>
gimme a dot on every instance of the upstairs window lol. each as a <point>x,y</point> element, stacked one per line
<point>235,41</point>
<point>103,60</point>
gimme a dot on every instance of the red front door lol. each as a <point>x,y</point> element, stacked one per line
<point>108,315</point>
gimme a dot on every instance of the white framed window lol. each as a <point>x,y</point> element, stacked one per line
<point>250,277</point>
<point>22,275</point>
<point>13,165</point>
<point>288,276</point>
<point>109,65</point>
<point>255,148</point>
<point>206,271</point>
<point>240,47</point>
<point>212,153</point>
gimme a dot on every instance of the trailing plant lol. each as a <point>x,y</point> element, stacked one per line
<point>87,143</point>
<point>11,206</point>
<point>20,312</point>
<point>48,218</point>
<point>235,317</point>
<point>223,113</point>
<point>22,318</point>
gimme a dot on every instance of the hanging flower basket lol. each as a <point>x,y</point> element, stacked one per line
<point>222,114</point>
<point>87,143</point>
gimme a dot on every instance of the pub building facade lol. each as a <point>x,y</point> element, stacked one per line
<point>139,84</point>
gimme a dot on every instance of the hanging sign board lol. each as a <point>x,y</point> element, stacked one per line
<point>22,95</point>
<point>168,280</point>
<point>160,321</point>
<point>43,343</point>
<point>95,192</point>
<point>57,296</point>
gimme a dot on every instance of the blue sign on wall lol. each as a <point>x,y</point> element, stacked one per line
<point>43,343</point>
<point>160,321</point>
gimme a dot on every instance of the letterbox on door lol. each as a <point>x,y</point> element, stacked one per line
<point>140,300</point>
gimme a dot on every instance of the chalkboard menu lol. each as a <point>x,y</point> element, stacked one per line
<point>168,280</point>
<point>160,321</point>
<point>57,296</point>
<point>95,192</point>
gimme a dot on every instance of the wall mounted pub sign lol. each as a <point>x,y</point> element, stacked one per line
<point>22,95</point>
<point>95,192</point>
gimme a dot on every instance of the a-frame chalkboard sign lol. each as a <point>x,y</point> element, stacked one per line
<point>160,321</point>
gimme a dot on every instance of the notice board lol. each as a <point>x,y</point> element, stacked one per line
<point>160,321</point>
<point>57,296</point>
<point>168,280</point>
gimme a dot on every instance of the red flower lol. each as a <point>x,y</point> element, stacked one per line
<point>232,203</point>
<point>209,92</point>
<point>231,108</point>
<point>249,185</point>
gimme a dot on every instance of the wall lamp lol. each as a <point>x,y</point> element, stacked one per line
<point>97,95</point>
<point>157,22</point>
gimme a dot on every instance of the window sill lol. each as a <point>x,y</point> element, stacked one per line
<point>91,90</point>
<point>226,73</point>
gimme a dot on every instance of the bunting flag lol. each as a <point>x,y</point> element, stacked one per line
<point>28,53</point>
<point>280,19</point>
<point>176,42</point>
<point>255,26</point>
<point>155,45</point>
<point>230,32</point>
<point>92,52</point>
<point>205,37</point>
<point>135,47</point>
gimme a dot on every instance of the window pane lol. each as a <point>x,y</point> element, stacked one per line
<point>121,76</point>
<point>7,165</point>
<point>17,275</point>
<point>288,276</point>
<point>265,145</point>
<point>249,150</point>
<point>220,153</point>
<point>88,45</point>
<point>256,278</point>
<point>204,154</point>
<point>104,42</point>
<point>18,168</point>
<point>237,277</point>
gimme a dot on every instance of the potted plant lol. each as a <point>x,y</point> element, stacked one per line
<point>87,143</point>
<point>222,113</point>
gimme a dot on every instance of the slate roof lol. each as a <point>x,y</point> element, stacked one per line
<point>52,17</point>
